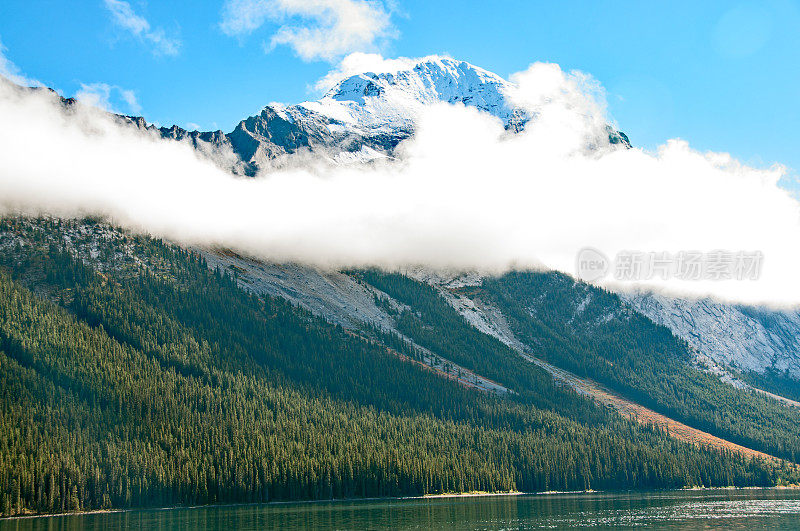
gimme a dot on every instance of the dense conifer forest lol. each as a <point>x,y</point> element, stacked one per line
<point>590,332</point>
<point>151,380</point>
<point>773,381</point>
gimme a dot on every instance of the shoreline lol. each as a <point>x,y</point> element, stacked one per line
<point>444,496</point>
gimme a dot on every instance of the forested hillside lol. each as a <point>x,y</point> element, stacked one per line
<point>143,378</point>
<point>590,332</point>
<point>773,381</point>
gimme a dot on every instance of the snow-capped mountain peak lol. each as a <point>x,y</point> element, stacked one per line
<point>363,117</point>
<point>390,101</point>
<point>429,81</point>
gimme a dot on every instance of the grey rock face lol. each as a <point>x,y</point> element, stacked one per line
<point>742,337</point>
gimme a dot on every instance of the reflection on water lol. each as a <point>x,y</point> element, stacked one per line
<point>727,509</point>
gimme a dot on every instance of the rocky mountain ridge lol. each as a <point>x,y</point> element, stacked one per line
<point>360,119</point>
<point>744,338</point>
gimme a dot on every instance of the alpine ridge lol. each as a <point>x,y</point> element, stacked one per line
<point>362,118</point>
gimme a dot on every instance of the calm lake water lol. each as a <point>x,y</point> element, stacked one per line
<point>723,509</point>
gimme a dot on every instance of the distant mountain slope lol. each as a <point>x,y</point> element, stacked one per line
<point>594,333</point>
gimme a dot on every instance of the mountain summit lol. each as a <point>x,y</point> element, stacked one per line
<point>389,101</point>
<point>361,118</point>
<point>365,116</point>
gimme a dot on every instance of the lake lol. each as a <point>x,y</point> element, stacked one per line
<point>710,509</point>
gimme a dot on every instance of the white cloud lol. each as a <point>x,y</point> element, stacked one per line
<point>100,95</point>
<point>465,194</point>
<point>129,97</point>
<point>314,29</point>
<point>126,18</point>
<point>12,72</point>
<point>359,62</point>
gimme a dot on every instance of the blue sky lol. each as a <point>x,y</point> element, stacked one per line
<point>723,75</point>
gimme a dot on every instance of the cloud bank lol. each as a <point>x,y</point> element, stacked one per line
<point>464,195</point>
<point>126,18</point>
<point>314,29</point>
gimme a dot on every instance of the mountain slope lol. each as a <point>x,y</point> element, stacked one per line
<point>141,377</point>
<point>647,364</point>
<point>593,333</point>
